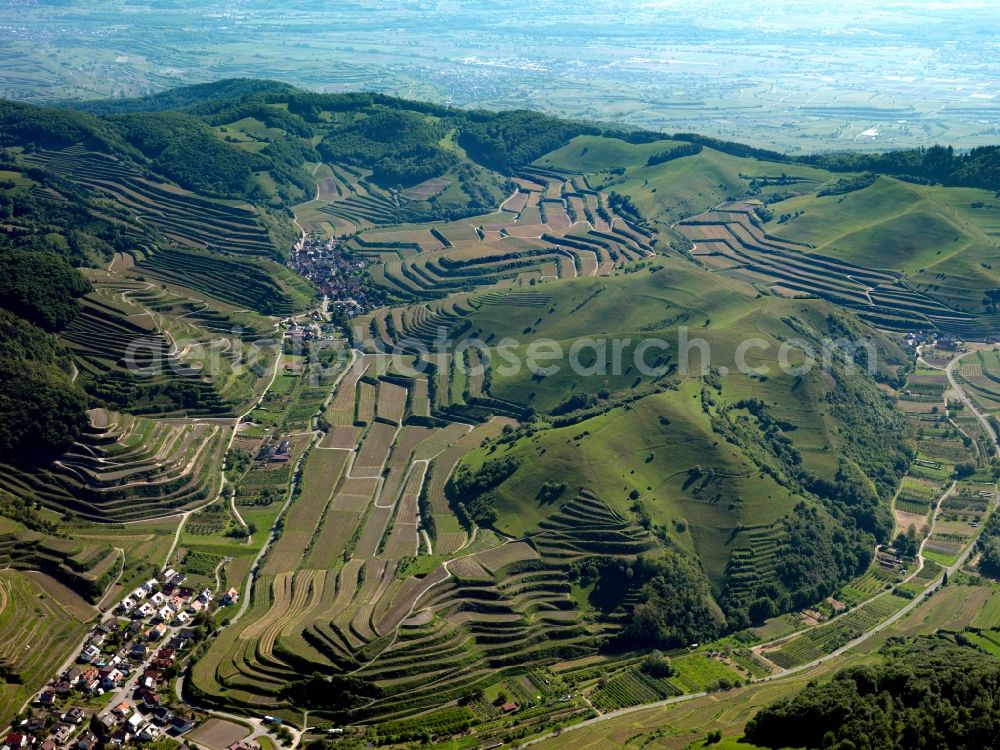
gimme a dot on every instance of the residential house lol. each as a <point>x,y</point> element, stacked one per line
<point>157,599</point>
<point>86,741</point>
<point>90,680</point>
<point>165,654</point>
<point>182,723</point>
<point>127,605</point>
<point>150,585</point>
<point>156,632</point>
<point>111,677</point>
<point>16,740</point>
<point>119,738</point>
<point>122,710</point>
<point>282,454</point>
<point>195,607</point>
<point>232,596</point>
<point>205,596</point>
<point>168,574</point>
<point>61,732</point>
<point>182,618</point>
<point>150,699</point>
<point>109,722</point>
<point>149,679</point>
<point>74,715</point>
<point>33,724</point>
<point>138,651</point>
<point>146,610</point>
<point>47,698</point>
<point>48,744</point>
<point>135,723</point>
<point>89,653</point>
<point>163,715</point>
<point>62,687</point>
<point>150,733</point>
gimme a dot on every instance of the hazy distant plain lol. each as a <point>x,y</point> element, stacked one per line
<point>789,75</point>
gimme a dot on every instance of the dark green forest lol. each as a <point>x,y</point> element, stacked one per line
<point>929,692</point>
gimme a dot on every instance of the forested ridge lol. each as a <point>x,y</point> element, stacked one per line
<point>929,692</point>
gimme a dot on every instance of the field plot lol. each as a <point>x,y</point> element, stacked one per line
<point>989,616</point>
<point>980,375</point>
<point>218,734</point>
<point>319,478</point>
<point>341,410</point>
<point>391,401</point>
<point>365,403</point>
<point>342,437</point>
<point>374,450</point>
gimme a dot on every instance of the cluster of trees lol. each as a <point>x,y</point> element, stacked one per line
<point>181,147</point>
<point>684,149</point>
<point>335,693</point>
<point>43,410</point>
<point>989,545</point>
<point>623,205</point>
<point>817,555</point>
<point>849,184</point>
<point>400,147</point>
<point>505,141</point>
<point>674,606</point>
<point>979,167</point>
<point>471,493</point>
<point>928,692</point>
<point>40,286</point>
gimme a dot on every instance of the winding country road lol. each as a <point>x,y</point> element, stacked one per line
<point>983,420</point>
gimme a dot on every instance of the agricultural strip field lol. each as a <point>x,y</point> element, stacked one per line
<point>37,619</point>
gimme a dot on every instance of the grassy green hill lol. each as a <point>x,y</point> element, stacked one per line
<point>683,185</point>
<point>943,239</point>
<point>761,443</point>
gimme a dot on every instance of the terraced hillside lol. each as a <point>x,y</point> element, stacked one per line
<point>179,215</point>
<point>942,241</point>
<point>81,565</point>
<point>126,468</point>
<point>553,226</point>
<point>732,241</point>
<point>37,619</point>
<point>368,579</point>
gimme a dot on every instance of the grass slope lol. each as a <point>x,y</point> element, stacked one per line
<point>944,240</point>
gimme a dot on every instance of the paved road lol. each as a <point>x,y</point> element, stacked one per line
<point>987,426</point>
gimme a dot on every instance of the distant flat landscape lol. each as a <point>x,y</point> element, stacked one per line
<point>852,75</point>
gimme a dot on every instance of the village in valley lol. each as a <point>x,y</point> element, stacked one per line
<point>118,691</point>
<point>340,276</point>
